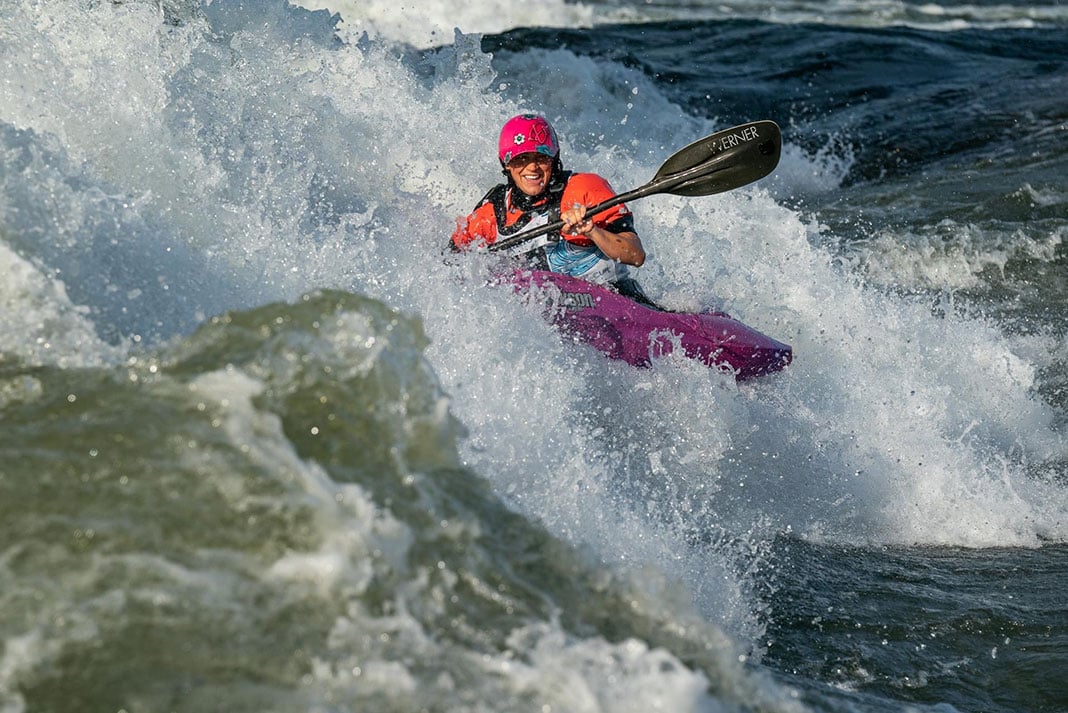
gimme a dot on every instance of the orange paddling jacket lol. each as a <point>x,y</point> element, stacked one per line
<point>505,211</point>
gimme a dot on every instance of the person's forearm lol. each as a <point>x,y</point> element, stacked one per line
<point>624,247</point>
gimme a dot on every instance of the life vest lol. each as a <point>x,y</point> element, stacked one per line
<point>502,213</point>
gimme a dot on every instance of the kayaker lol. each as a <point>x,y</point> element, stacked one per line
<point>537,189</point>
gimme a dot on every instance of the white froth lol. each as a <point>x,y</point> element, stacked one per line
<point>432,24</point>
<point>40,325</point>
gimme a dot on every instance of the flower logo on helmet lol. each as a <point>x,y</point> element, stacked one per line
<point>527,133</point>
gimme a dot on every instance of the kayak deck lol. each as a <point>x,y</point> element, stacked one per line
<point>626,330</point>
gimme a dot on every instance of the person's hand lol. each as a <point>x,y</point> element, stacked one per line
<point>575,220</point>
<point>625,247</point>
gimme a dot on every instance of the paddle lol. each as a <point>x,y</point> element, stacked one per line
<point>721,162</point>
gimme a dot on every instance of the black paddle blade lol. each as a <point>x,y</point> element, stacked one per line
<point>721,162</point>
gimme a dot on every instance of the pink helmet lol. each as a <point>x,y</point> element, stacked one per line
<point>524,134</point>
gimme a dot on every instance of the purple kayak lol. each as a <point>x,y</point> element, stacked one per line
<point>632,332</point>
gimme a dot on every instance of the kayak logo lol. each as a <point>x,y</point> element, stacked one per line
<point>576,300</point>
<point>743,135</point>
<point>558,302</point>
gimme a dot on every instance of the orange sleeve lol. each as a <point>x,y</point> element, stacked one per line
<point>480,226</point>
<point>589,189</point>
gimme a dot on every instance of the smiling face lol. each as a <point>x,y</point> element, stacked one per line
<point>531,172</point>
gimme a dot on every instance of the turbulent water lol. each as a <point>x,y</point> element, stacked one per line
<point>262,448</point>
